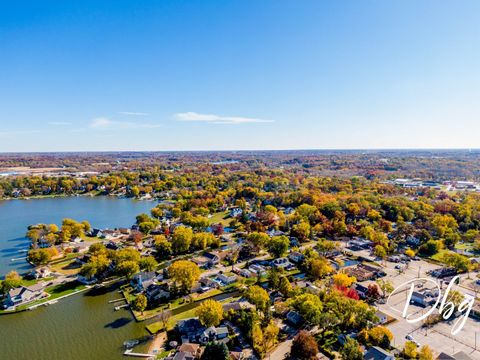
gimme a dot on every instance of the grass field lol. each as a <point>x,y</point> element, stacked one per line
<point>220,218</point>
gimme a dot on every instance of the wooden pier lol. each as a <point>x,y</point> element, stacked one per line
<point>129,352</point>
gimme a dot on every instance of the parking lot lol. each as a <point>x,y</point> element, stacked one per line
<point>439,336</point>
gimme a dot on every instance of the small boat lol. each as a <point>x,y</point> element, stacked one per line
<point>130,343</point>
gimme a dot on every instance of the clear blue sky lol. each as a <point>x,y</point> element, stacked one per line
<point>202,75</point>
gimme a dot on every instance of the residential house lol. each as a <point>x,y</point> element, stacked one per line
<point>457,356</point>
<point>156,293</point>
<point>236,212</point>
<point>41,272</point>
<point>25,294</point>
<point>282,263</point>
<point>213,333</point>
<point>189,329</point>
<point>190,350</point>
<point>361,290</point>
<point>296,257</point>
<point>257,270</point>
<point>227,279</point>
<point>142,280</point>
<point>382,317</point>
<point>246,273</point>
<point>295,318</point>
<point>422,299</point>
<point>377,353</point>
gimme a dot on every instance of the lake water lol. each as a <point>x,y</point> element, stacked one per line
<point>83,326</point>
<point>16,215</point>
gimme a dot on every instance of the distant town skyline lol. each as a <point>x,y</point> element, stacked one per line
<point>238,75</point>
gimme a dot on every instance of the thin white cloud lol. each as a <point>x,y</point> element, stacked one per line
<point>103,123</point>
<point>217,119</point>
<point>59,123</point>
<point>133,113</point>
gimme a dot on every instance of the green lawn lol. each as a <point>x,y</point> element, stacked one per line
<point>220,218</point>
<point>55,292</point>
<point>439,256</point>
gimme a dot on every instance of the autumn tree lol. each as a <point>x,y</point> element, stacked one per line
<point>409,350</point>
<point>209,312</point>
<point>342,279</point>
<point>319,268</point>
<point>258,297</point>
<point>148,263</point>
<point>12,280</point>
<point>304,346</point>
<point>181,239</point>
<point>164,317</point>
<point>425,353</point>
<point>185,273</point>
<point>163,246</point>
<point>386,286</point>
<point>128,268</point>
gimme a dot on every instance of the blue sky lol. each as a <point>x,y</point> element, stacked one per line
<point>259,74</point>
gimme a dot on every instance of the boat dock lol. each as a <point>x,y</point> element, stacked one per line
<point>121,307</point>
<point>116,300</point>
<point>129,352</point>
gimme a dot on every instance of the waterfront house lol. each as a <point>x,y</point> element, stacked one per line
<point>156,293</point>
<point>25,294</point>
<point>41,272</point>
<point>142,280</point>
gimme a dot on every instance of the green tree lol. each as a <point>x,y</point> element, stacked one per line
<point>278,246</point>
<point>385,286</point>
<point>209,312</point>
<point>216,351</point>
<point>351,350</point>
<point>140,303</point>
<point>258,240</point>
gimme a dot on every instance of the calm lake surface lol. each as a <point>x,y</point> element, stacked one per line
<point>83,326</point>
<point>16,215</point>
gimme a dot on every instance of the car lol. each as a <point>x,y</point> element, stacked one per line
<point>410,338</point>
<point>398,267</point>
